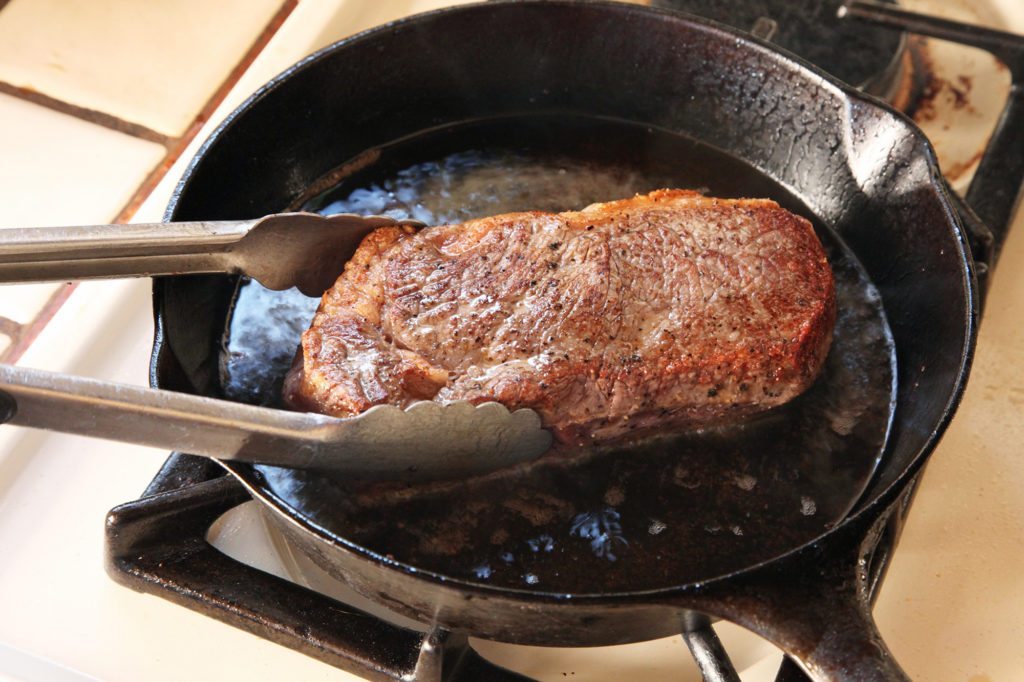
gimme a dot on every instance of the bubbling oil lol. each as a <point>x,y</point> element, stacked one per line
<point>671,510</point>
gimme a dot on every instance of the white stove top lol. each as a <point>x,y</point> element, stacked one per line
<point>951,607</point>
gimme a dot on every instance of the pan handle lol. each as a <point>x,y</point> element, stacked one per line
<point>815,604</point>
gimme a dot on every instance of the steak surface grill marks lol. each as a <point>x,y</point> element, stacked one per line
<point>661,311</point>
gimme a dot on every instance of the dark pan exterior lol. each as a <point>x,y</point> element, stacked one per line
<point>863,169</point>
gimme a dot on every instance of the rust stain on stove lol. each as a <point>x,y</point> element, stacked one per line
<point>940,100</point>
<point>937,87</point>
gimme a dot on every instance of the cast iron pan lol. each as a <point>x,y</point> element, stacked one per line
<point>484,108</point>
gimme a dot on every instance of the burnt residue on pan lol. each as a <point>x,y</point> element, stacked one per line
<point>674,510</point>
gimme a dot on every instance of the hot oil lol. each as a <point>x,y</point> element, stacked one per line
<point>669,511</point>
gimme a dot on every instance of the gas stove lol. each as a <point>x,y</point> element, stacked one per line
<point>71,623</point>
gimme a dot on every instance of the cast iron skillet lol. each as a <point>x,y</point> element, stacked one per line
<point>863,172</point>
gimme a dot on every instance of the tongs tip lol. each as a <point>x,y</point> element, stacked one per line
<point>440,440</point>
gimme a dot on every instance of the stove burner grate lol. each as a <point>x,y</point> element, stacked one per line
<point>157,544</point>
<point>866,56</point>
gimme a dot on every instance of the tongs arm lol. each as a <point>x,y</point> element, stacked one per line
<point>427,441</point>
<point>36,254</point>
<point>163,419</point>
<point>305,250</point>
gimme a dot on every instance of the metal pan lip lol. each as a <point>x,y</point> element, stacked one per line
<point>742,40</point>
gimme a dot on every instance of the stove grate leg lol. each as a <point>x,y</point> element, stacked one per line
<point>711,657</point>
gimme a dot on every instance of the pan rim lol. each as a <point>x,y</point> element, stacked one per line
<point>863,509</point>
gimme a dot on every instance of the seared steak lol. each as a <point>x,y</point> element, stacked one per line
<point>663,311</point>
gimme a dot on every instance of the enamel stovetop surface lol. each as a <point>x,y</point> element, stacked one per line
<point>950,609</point>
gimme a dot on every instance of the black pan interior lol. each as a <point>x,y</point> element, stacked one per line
<point>676,509</point>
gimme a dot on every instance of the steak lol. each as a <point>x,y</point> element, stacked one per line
<point>664,311</point>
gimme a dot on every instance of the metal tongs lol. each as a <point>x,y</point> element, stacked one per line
<point>308,251</point>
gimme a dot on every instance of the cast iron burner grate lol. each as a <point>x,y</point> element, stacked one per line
<point>157,544</point>
<point>866,56</point>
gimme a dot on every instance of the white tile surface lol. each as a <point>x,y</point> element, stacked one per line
<point>60,170</point>
<point>353,17</point>
<point>314,24</point>
<point>152,63</point>
<point>22,302</point>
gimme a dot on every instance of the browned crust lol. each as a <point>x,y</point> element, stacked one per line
<point>552,334</point>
